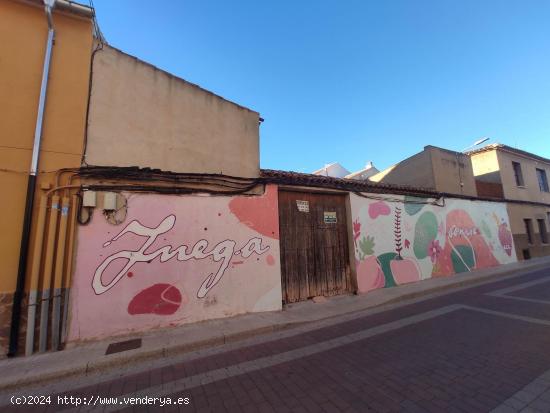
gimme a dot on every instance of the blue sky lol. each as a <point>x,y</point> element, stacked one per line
<point>356,80</point>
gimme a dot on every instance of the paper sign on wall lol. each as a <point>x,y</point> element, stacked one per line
<point>329,217</point>
<point>303,206</point>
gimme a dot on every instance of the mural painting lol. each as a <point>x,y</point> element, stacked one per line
<point>407,239</point>
<point>176,260</point>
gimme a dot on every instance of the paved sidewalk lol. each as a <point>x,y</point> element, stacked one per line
<point>535,397</point>
<point>91,357</point>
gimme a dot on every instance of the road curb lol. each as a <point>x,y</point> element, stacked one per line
<point>106,363</point>
<point>467,282</point>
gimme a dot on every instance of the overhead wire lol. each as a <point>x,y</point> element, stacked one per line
<point>405,200</point>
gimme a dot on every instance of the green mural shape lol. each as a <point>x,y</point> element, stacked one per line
<point>367,245</point>
<point>486,230</point>
<point>413,204</point>
<point>467,254</point>
<point>384,260</point>
<point>425,232</point>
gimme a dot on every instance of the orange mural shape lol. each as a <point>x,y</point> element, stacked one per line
<point>257,212</point>
<point>369,274</point>
<point>465,246</point>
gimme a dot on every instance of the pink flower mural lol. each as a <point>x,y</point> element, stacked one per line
<point>425,240</point>
<point>434,249</point>
<point>356,230</point>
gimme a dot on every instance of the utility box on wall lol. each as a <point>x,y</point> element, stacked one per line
<point>89,199</point>
<point>109,201</point>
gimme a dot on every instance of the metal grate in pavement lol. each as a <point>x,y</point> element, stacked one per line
<point>123,346</point>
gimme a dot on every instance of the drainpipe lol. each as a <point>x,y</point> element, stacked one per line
<point>31,186</point>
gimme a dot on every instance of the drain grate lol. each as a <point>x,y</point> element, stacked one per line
<point>123,346</point>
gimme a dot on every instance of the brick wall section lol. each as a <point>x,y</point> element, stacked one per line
<point>489,189</point>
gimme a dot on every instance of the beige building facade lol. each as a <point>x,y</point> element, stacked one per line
<point>142,116</point>
<point>434,168</point>
<point>24,26</point>
<point>522,179</point>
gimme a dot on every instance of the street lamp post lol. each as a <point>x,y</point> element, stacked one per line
<point>478,142</point>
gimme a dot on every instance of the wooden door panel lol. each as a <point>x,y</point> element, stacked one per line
<point>328,236</point>
<point>314,253</point>
<point>296,245</point>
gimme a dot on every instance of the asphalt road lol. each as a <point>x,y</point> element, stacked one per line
<point>474,350</point>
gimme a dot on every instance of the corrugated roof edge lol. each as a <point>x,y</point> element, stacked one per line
<point>320,181</point>
<point>181,79</point>
<point>302,179</point>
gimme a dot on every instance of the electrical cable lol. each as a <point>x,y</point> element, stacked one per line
<point>79,213</point>
<point>403,200</point>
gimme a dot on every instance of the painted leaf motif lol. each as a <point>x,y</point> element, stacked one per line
<point>425,232</point>
<point>505,238</point>
<point>463,258</point>
<point>486,230</point>
<point>384,261</point>
<point>413,204</point>
<point>367,245</point>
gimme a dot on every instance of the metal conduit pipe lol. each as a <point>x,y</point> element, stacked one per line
<point>31,187</point>
<point>58,275</point>
<point>69,269</point>
<point>37,260</point>
<point>35,274</point>
<point>47,276</point>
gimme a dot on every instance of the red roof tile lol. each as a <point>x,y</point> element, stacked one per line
<point>320,181</point>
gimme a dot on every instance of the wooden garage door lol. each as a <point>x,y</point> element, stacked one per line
<point>314,245</point>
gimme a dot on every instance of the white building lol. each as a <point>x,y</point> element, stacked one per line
<point>365,173</point>
<point>334,170</point>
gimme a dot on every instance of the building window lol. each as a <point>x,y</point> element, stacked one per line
<point>543,181</point>
<point>517,173</point>
<point>542,231</point>
<point>529,230</point>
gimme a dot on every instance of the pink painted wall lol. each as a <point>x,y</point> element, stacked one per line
<point>176,260</point>
<point>410,240</point>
